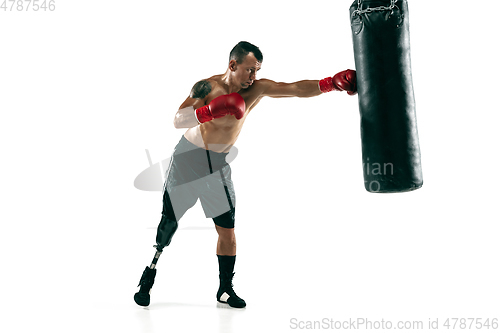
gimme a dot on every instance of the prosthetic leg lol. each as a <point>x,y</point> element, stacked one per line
<point>166,230</point>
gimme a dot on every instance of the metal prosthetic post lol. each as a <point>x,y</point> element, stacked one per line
<point>157,255</point>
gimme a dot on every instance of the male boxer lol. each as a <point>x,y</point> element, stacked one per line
<point>214,114</point>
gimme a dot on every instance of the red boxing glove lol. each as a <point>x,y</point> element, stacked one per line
<point>343,81</point>
<point>232,104</point>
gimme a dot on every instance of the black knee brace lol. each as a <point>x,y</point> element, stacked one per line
<point>166,229</point>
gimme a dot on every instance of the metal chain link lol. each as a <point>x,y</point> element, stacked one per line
<point>359,11</point>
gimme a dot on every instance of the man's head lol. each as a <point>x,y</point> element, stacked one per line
<point>241,50</point>
<point>245,60</point>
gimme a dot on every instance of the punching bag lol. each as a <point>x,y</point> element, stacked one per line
<point>389,137</point>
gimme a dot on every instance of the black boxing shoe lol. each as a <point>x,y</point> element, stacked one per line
<point>142,297</point>
<point>226,294</point>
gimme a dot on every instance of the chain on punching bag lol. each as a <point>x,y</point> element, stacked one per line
<point>389,137</point>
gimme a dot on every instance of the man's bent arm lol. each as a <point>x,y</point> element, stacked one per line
<point>185,117</point>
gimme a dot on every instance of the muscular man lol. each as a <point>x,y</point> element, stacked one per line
<point>214,114</point>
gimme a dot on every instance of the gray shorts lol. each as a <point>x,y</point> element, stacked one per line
<point>196,173</point>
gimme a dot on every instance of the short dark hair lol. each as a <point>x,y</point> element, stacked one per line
<point>240,51</point>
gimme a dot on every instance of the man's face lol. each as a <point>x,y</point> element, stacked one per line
<point>246,72</point>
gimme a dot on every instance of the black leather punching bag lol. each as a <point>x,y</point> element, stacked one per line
<point>389,137</point>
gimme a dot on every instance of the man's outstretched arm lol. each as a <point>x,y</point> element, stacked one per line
<point>343,81</point>
<point>304,88</point>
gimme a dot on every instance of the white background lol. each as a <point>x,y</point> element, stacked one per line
<point>85,89</point>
